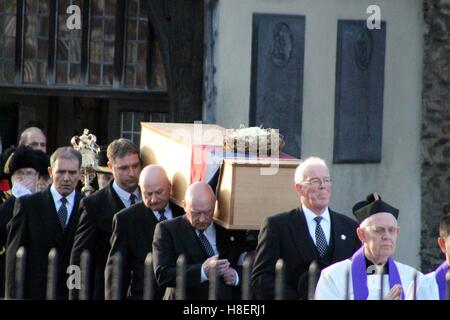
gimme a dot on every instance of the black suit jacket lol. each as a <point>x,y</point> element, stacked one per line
<point>93,234</point>
<point>6,213</point>
<point>35,225</point>
<point>176,237</point>
<point>132,236</point>
<point>286,236</point>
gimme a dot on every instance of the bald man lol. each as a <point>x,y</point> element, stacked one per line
<point>201,241</point>
<point>133,233</point>
<point>35,138</point>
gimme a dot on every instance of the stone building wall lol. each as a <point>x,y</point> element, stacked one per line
<point>435,175</point>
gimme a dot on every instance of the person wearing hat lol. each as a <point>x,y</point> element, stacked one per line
<point>104,174</point>
<point>434,285</point>
<point>378,230</point>
<point>24,167</point>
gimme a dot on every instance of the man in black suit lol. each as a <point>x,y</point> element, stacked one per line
<point>311,232</point>
<point>201,241</point>
<point>95,227</point>
<point>133,230</point>
<point>43,221</point>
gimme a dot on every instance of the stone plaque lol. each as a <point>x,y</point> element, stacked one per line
<point>276,94</point>
<point>359,92</point>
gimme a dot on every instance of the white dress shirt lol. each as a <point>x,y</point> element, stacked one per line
<point>325,223</point>
<point>125,195</point>
<point>57,200</point>
<point>167,213</point>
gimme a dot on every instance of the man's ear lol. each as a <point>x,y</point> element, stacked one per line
<point>110,165</point>
<point>360,233</point>
<point>50,172</point>
<point>298,188</point>
<point>441,243</point>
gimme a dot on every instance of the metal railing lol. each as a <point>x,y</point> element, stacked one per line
<point>180,291</point>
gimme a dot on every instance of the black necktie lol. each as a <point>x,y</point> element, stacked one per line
<point>205,243</point>
<point>321,241</point>
<point>62,213</point>
<point>132,199</point>
<point>162,217</point>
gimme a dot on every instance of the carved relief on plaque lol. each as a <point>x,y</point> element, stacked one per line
<point>282,44</point>
<point>363,49</point>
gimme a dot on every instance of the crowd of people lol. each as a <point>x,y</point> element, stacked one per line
<point>131,214</point>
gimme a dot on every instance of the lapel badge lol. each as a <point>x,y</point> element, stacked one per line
<point>343,237</point>
<point>232,238</point>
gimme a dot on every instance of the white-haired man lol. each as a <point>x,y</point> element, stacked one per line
<point>310,232</point>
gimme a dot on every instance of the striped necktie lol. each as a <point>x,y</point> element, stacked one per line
<point>132,199</point>
<point>162,217</point>
<point>62,213</point>
<point>321,241</point>
<point>205,243</point>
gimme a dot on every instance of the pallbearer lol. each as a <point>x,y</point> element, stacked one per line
<point>378,230</point>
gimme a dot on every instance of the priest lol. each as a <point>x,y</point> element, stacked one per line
<point>371,272</point>
<point>434,285</point>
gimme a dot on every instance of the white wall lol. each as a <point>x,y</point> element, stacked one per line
<point>397,177</point>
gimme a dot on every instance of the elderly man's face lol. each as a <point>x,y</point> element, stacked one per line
<point>155,193</point>
<point>315,189</point>
<point>200,212</point>
<point>379,235</point>
<point>27,177</point>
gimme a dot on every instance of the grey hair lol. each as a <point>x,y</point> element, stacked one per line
<point>65,153</point>
<point>310,161</point>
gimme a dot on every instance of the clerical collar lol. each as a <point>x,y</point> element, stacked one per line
<point>373,269</point>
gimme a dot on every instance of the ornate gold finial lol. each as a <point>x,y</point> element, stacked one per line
<point>87,146</point>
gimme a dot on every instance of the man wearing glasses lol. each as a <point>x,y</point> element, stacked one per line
<point>310,232</point>
<point>372,273</point>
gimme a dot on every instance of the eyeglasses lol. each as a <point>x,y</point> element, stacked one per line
<point>317,182</point>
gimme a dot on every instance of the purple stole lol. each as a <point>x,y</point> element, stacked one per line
<point>441,271</point>
<point>359,275</point>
